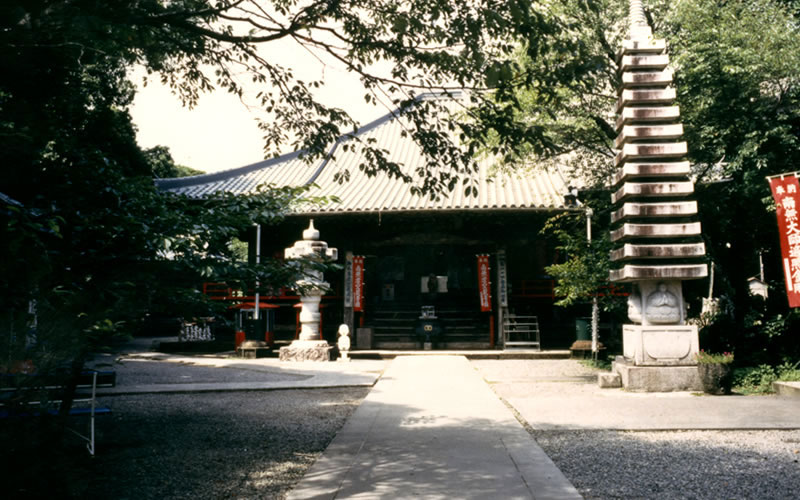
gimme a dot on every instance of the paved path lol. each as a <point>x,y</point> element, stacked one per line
<point>618,410</point>
<point>432,428</point>
<point>548,400</point>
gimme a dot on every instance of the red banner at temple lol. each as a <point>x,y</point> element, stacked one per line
<point>358,283</point>
<point>484,285</point>
<point>786,191</point>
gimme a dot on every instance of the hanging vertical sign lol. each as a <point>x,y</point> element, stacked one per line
<point>502,278</point>
<point>786,191</point>
<point>348,280</point>
<point>484,285</point>
<point>358,283</point>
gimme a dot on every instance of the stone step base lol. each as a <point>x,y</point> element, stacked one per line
<point>658,378</point>
<point>787,388</point>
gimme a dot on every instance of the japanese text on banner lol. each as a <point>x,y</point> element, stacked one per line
<point>358,283</point>
<point>484,284</point>
<point>786,192</point>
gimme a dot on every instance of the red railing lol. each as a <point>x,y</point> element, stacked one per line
<point>612,290</point>
<point>222,291</point>
<point>533,288</point>
<point>545,289</point>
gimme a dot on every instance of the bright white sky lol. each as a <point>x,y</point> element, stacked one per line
<point>221,132</point>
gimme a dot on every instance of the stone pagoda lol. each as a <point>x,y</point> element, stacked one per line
<point>655,230</point>
<point>309,346</point>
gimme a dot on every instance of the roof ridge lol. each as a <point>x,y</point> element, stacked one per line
<point>182,182</point>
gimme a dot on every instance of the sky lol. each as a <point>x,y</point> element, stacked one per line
<point>221,132</point>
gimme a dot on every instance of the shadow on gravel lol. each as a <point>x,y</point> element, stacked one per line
<point>134,372</point>
<point>209,445</point>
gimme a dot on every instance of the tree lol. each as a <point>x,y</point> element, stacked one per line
<point>573,102</point>
<point>90,245</point>
<point>738,84</point>
<point>584,271</point>
<point>197,45</point>
<point>739,87</point>
<point>163,166</point>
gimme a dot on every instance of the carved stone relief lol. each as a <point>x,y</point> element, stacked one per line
<point>663,307</point>
<point>635,306</point>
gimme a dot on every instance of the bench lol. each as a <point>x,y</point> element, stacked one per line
<point>89,379</point>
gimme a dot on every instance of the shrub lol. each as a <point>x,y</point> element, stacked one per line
<point>707,358</point>
<point>788,372</point>
<point>754,379</point>
<point>759,379</point>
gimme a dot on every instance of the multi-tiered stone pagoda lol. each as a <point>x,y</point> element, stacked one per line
<point>657,238</point>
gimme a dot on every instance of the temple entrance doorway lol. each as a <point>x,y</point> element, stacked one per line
<point>425,294</point>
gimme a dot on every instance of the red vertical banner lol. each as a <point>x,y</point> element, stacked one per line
<point>484,285</point>
<point>786,191</point>
<point>358,283</point>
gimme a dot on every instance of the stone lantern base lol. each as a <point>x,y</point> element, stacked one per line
<point>306,350</point>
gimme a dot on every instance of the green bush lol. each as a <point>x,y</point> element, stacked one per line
<point>759,379</point>
<point>754,379</point>
<point>789,372</point>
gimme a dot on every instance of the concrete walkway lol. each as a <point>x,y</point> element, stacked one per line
<point>549,401</point>
<point>617,410</point>
<point>432,428</point>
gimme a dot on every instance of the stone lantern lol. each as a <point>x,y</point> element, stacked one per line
<point>309,346</point>
<point>655,230</point>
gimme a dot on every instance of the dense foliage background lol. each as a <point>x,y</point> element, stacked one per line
<point>737,75</point>
<point>95,247</point>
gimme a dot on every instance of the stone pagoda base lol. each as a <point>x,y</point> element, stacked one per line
<point>656,378</point>
<point>306,350</point>
<point>656,358</point>
<point>662,345</point>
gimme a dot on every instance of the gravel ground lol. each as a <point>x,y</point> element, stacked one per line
<point>529,370</point>
<point>606,464</point>
<point>242,445</point>
<point>215,445</point>
<point>133,372</point>
<point>678,465</point>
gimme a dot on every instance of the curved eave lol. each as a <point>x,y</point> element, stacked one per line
<point>484,209</point>
<point>380,193</point>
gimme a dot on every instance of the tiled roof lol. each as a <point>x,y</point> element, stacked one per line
<point>537,189</point>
